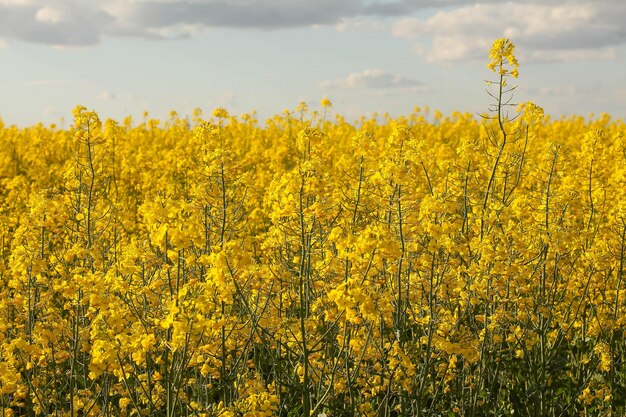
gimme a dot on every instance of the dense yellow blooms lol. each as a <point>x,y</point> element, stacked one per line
<point>502,54</point>
<point>314,267</point>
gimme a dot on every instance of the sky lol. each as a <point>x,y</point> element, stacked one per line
<point>124,57</point>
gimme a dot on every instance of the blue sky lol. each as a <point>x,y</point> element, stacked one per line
<point>123,57</point>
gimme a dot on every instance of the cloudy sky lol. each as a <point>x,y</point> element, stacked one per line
<point>123,57</point>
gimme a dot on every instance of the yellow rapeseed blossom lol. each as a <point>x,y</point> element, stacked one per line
<point>220,113</point>
<point>502,56</point>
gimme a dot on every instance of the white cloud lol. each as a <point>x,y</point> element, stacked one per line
<point>79,22</point>
<point>360,23</point>
<point>458,29</point>
<point>53,22</point>
<point>177,31</point>
<point>409,28</point>
<point>565,30</point>
<point>371,78</point>
<point>48,15</point>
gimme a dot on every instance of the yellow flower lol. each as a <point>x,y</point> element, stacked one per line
<point>502,54</point>
<point>531,113</point>
<point>326,103</point>
<point>124,402</point>
<point>220,113</point>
